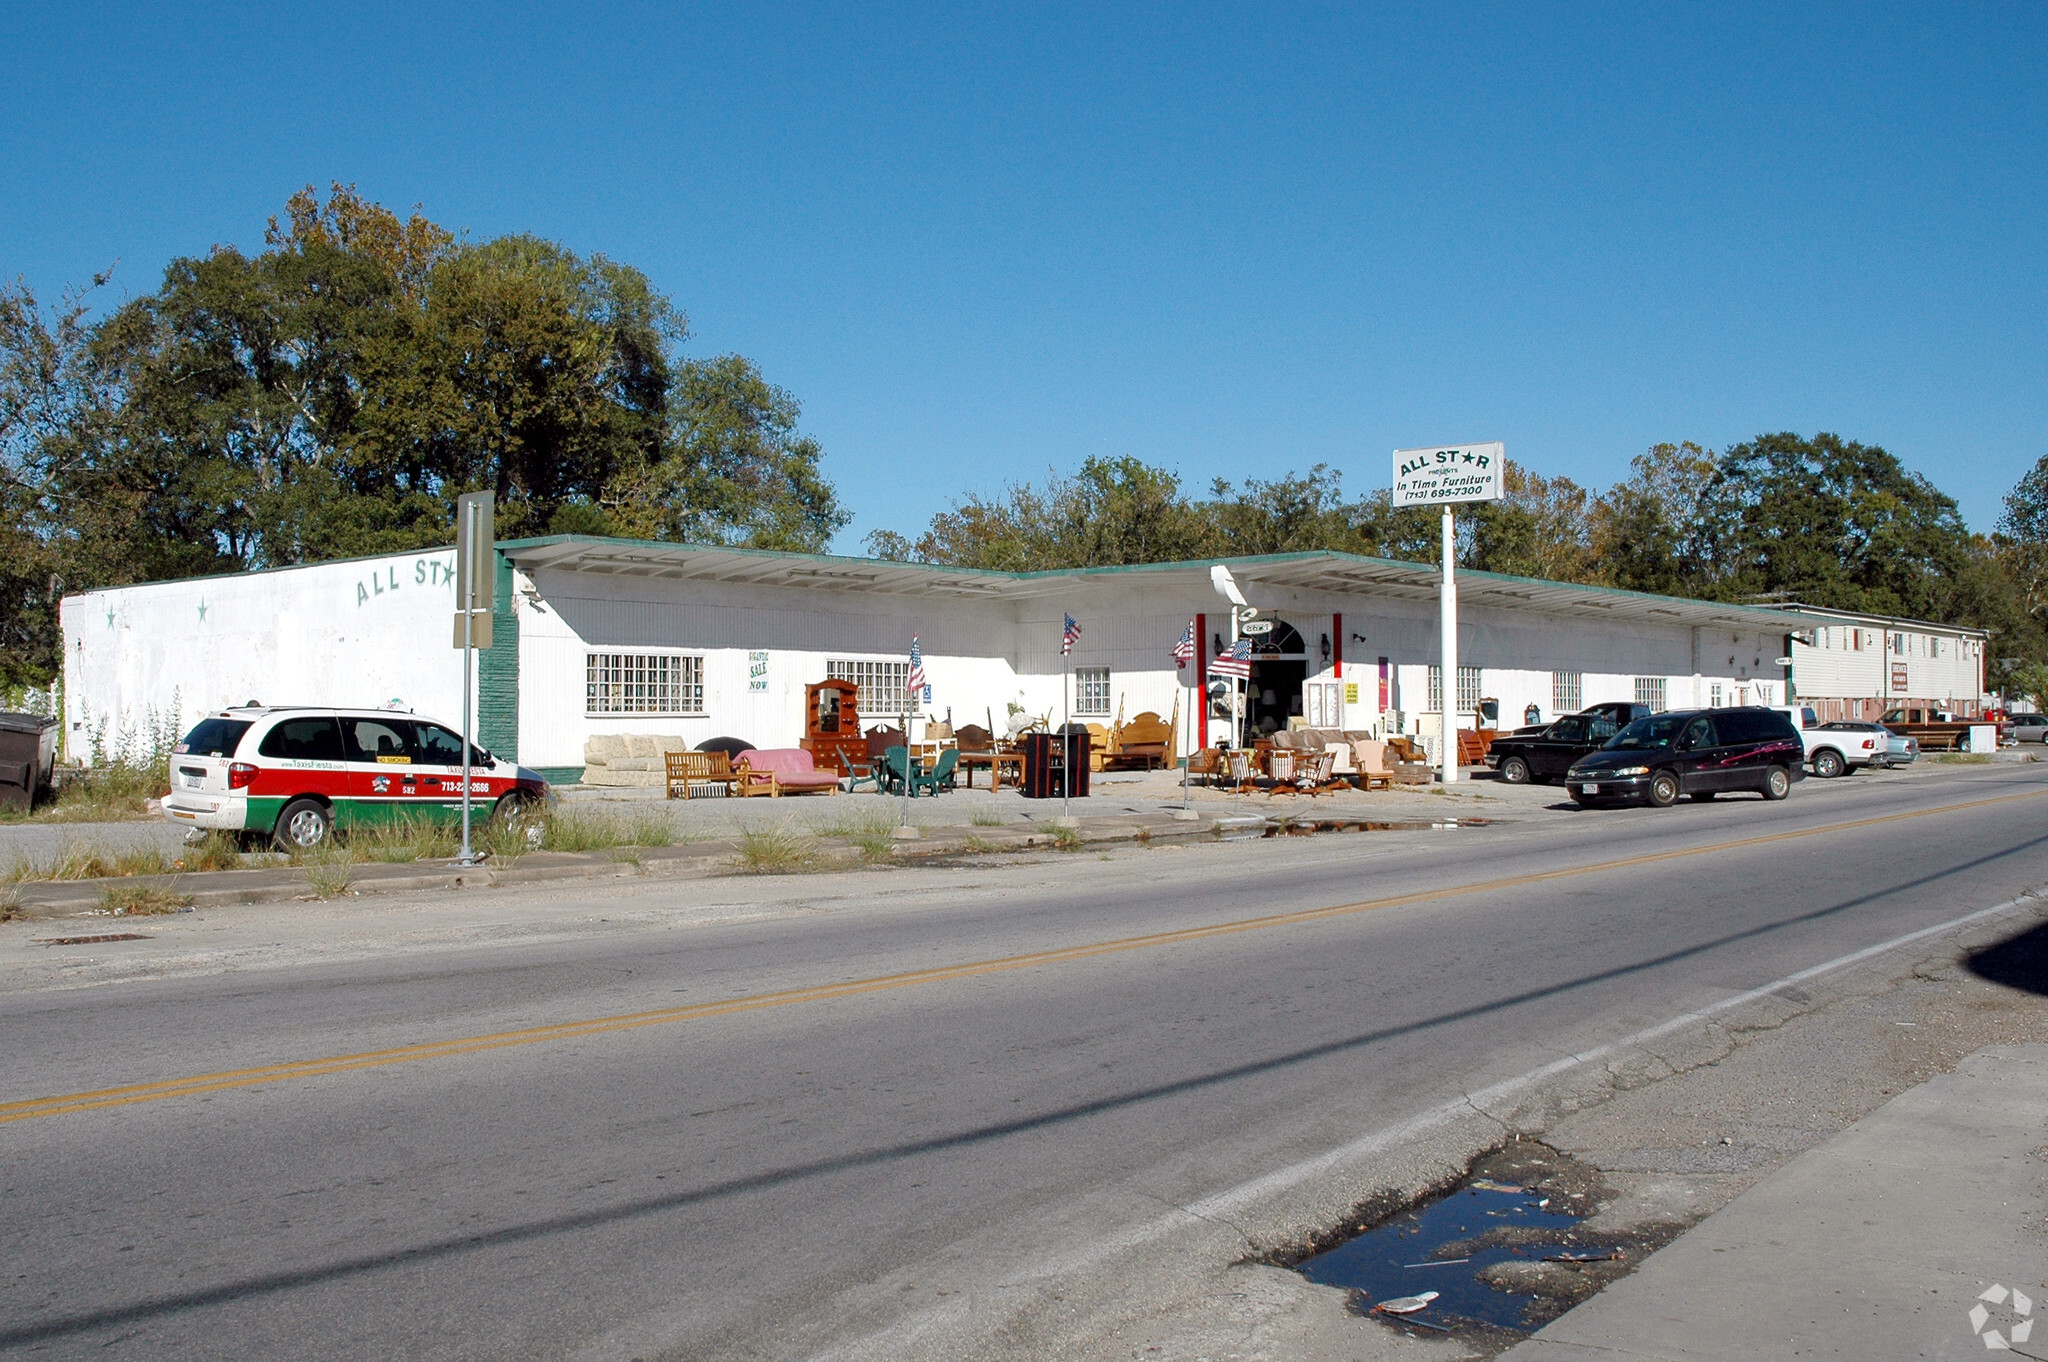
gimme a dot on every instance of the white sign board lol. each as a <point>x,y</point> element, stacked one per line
<point>1442,473</point>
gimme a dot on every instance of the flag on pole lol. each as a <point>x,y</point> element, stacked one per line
<point>1073,631</point>
<point>1184,651</point>
<point>915,683</point>
<point>1237,662</point>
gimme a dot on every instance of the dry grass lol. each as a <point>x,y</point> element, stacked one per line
<point>87,861</point>
<point>989,818</point>
<point>601,830</point>
<point>406,838</point>
<point>780,850</point>
<point>142,900</point>
<point>329,869</point>
<point>1066,839</point>
<point>869,831</point>
<point>215,851</point>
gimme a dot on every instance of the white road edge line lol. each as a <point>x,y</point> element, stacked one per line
<point>888,1342</point>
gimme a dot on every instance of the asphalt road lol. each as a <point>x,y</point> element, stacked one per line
<point>777,1138</point>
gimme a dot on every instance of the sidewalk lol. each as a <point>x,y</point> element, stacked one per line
<point>1877,1244</point>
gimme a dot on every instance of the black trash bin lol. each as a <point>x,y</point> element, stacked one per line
<point>1047,759</point>
<point>28,756</point>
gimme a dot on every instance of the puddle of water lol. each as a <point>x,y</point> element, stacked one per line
<point>1480,1223</point>
<point>1305,826</point>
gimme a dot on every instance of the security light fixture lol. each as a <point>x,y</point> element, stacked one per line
<point>1326,647</point>
<point>1225,584</point>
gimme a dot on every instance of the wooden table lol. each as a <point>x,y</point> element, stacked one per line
<point>995,763</point>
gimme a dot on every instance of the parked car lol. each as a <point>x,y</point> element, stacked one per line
<point>1701,753</point>
<point>2027,727</point>
<point>1830,751</point>
<point>295,774</point>
<point>1617,712</point>
<point>1546,752</point>
<point>1888,748</point>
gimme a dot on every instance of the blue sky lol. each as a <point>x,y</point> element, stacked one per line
<point>981,243</point>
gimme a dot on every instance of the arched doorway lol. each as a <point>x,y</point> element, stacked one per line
<point>1279,669</point>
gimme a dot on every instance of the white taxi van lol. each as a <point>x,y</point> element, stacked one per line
<point>296,774</point>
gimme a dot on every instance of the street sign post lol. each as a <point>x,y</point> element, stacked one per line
<point>475,580</point>
<point>1443,475</point>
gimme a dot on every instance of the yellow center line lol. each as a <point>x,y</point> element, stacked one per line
<point>68,1103</point>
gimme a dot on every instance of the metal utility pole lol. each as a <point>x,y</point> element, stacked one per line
<point>475,583</point>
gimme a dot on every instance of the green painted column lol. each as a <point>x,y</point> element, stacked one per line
<point>497,681</point>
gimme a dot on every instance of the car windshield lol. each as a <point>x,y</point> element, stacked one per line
<point>1654,732</point>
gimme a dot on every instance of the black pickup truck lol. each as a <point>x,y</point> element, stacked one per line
<point>1543,753</point>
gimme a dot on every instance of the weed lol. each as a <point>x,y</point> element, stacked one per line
<point>407,837</point>
<point>973,843</point>
<point>10,903</point>
<point>329,869</point>
<point>215,851</point>
<point>780,850</point>
<point>870,831</point>
<point>505,841</point>
<point>84,861</point>
<point>651,830</point>
<point>629,855</point>
<point>1963,758</point>
<point>141,900</point>
<point>1066,839</point>
<point>989,818</point>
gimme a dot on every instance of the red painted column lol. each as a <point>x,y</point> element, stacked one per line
<point>1202,679</point>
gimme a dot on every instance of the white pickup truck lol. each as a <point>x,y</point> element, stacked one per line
<point>1833,752</point>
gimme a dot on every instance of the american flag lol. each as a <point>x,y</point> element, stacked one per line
<point>1184,651</point>
<point>1067,639</point>
<point>1237,662</point>
<point>915,683</point>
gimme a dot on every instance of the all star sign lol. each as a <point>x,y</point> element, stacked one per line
<point>1430,477</point>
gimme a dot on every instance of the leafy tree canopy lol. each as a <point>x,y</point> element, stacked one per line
<point>332,394</point>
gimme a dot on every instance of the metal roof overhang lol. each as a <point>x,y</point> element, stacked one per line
<point>1338,573</point>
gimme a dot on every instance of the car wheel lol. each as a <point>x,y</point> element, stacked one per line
<point>1663,789</point>
<point>1777,783</point>
<point>1515,771</point>
<point>1828,763</point>
<point>1703,797</point>
<point>304,824</point>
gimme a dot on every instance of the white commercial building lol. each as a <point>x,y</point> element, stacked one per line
<point>1851,666</point>
<point>602,636</point>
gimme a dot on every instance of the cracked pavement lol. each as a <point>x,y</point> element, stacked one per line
<point>943,1128</point>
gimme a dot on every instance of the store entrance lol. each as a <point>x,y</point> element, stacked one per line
<point>1279,670</point>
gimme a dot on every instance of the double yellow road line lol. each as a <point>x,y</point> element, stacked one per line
<point>70,1103</point>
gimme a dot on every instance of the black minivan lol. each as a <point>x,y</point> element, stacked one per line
<point>1696,752</point>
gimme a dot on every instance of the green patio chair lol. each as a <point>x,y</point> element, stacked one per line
<point>895,769</point>
<point>941,777</point>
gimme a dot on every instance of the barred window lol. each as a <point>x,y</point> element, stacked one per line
<point>1650,691</point>
<point>1567,692</point>
<point>881,684</point>
<point>643,683</point>
<point>1091,690</point>
<point>1468,689</point>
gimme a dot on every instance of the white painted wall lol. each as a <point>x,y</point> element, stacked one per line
<point>1938,665</point>
<point>363,632</point>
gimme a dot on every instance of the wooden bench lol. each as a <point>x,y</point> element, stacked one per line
<point>699,768</point>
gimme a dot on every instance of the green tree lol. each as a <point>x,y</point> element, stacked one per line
<point>1830,522</point>
<point>1111,512</point>
<point>1538,528</point>
<point>1643,533</point>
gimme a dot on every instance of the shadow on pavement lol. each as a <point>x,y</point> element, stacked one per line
<point>2020,962</point>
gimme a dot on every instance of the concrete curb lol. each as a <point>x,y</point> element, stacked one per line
<point>213,888</point>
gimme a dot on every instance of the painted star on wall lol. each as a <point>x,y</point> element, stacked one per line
<point>202,612</point>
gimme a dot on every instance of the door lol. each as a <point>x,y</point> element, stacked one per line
<point>383,768</point>
<point>1563,743</point>
<point>440,763</point>
<point>1699,759</point>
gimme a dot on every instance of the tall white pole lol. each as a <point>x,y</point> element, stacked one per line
<point>1066,741</point>
<point>1447,615</point>
<point>1240,689</point>
<point>467,586</point>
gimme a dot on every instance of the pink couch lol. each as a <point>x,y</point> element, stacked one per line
<point>772,771</point>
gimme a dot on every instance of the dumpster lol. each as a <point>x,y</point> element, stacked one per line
<point>28,755</point>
